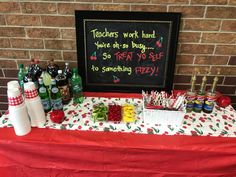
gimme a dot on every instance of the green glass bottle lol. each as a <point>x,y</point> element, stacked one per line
<point>77,89</point>
<point>21,75</point>
<point>56,99</point>
<point>43,94</point>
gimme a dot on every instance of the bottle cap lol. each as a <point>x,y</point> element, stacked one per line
<point>75,70</point>
<point>59,71</point>
<point>36,61</point>
<point>66,63</point>
<point>51,61</point>
<point>40,80</point>
<point>21,65</point>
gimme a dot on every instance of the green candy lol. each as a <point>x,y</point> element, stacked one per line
<point>100,112</point>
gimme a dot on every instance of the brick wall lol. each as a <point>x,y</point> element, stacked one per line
<point>45,29</point>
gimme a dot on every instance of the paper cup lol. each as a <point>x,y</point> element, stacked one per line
<point>13,84</point>
<point>30,90</point>
<point>29,86</point>
<point>14,97</point>
<point>13,92</point>
<point>36,112</point>
<point>20,119</point>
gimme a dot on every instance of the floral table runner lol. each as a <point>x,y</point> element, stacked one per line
<point>78,117</point>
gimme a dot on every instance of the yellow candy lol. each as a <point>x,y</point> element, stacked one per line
<point>128,113</point>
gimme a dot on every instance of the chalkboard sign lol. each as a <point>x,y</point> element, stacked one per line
<point>126,51</point>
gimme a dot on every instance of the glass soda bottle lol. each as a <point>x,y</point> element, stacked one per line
<point>52,69</point>
<point>31,74</point>
<point>37,70</point>
<point>46,78</point>
<point>76,83</point>
<point>43,94</point>
<point>21,75</point>
<point>27,78</point>
<point>26,70</point>
<point>63,86</point>
<point>68,73</point>
<point>31,67</point>
<point>56,100</point>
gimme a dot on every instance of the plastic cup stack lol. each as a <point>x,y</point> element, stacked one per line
<point>17,109</point>
<point>14,84</point>
<point>34,105</point>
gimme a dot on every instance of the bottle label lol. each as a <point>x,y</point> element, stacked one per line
<point>55,90</point>
<point>46,104</point>
<point>198,105</point>
<point>57,103</point>
<point>42,90</point>
<point>189,105</point>
<point>208,106</point>
<point>77,89</point>
<point>209,103</point>
<point>65,92</point>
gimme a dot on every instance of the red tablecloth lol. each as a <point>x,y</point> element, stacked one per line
<point>48,152</point>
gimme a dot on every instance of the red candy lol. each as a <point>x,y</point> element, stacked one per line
<point>114,113</point>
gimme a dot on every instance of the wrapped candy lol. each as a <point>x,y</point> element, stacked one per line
<point>114,113</point>
<point>128,113</point>
<point>100,112</point>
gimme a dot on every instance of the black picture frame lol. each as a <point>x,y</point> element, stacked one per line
<point>99,82</point>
